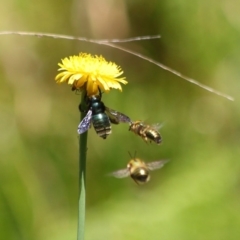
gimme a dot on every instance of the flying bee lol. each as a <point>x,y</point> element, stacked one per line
<point>138,170</point>
<point>101,117</point>
<point>147,132</point>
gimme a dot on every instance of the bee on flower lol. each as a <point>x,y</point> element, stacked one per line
<point>93,75</point>
<point>101,117</point>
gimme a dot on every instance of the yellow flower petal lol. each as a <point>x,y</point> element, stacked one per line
<point>95,71</point>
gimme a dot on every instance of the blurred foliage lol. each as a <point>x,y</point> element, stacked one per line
<point>195,196</point>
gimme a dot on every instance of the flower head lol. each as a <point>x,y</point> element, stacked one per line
<point>91,73</point>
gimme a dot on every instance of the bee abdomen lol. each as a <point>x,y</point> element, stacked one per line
<point>102,125</point>
<point>103,132</point>
<point>140,175</point>
<point>154,136</point>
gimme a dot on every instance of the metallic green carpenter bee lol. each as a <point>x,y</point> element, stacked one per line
<point>101,117</point>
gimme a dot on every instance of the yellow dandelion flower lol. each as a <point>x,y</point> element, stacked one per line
<point>91,73</point>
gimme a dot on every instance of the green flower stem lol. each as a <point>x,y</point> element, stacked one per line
<point>82,177</point>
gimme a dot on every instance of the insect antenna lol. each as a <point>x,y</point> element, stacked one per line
<point>131,154</point>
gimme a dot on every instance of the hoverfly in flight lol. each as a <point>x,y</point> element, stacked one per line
<point>101,117</point>
<point>138,170</point>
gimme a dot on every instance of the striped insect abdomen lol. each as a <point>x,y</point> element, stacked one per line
<point>101,125</point>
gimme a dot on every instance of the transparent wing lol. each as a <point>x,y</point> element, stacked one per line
<point>156,165</point>
<point>85,123</point>
<point>157,126</point>
<point>122,173</point>
<point>117,117</point>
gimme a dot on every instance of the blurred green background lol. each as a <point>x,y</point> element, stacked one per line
<point>195,196</point>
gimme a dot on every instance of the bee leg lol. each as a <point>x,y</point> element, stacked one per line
<point>80,108</point>
<point>135,181</point>
<point>83,108</point>
<point>100,93</point>
<point>145,138</point>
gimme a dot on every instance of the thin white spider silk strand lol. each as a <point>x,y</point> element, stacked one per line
<point>108,42</point>
<point>68,37</point>
<point>191,80</point>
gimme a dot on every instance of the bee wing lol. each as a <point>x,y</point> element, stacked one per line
<point>122,173</point>
<point>156,126</point>
<point>156,165</point>
<point>85,123</point>
<point>116,117</point>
